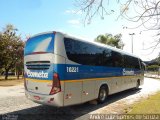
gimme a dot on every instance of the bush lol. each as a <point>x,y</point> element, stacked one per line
<point>153,67</point>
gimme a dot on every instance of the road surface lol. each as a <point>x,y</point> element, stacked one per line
<point>13,104</point>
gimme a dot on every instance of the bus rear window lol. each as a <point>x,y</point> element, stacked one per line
<point>40,44</point>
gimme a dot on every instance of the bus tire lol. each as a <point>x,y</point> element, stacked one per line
<point>103,93</point>
<point>137,84</point>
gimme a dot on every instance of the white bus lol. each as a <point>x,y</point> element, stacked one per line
<point>61,70</point>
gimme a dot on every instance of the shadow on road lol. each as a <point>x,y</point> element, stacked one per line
<point>44,112</point>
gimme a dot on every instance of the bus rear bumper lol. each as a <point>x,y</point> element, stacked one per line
<point>52,100</point>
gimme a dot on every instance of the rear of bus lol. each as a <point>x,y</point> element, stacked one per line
<point>42,81</point>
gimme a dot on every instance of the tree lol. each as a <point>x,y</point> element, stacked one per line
<point>145,12</point>
<point>153,67</point>
<point>1,50</point>
<point>19,62</point>
<point>111,40</point>
<point>11,47</point>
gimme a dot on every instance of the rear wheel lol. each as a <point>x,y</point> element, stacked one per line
<point>137,84</point>
<point>103,93</point>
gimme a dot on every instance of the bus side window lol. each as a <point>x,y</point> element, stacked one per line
<point>137,65</point>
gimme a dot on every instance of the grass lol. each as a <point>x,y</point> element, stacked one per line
<point>12,80</point>
<point>151,105</point>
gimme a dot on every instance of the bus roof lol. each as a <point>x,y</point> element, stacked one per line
<point>90,42</point>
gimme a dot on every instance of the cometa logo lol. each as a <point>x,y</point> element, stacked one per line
<point>37,74</point>
<point>128,72</point>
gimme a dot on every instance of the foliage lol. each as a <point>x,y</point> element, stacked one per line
<point>158,59</point>
<point>144,12</point>
<point>155,61</point>
<point>109,39</point>
<point>153,67</point>
<point>11,47</point>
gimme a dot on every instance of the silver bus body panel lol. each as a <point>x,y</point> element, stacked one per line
<point>72,93</point>
<point>39,57</point>
<point>45,99</point>
<point>33,84</point>
<point>88,92</point>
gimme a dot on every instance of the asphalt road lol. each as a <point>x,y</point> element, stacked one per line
<point>13,104</point>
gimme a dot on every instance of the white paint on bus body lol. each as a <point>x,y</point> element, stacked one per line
<point>128,72</point>
<point>37,74</point>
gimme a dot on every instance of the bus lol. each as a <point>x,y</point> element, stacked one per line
<point>61,70</point>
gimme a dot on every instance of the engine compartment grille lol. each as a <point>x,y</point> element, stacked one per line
<point>38,65</point>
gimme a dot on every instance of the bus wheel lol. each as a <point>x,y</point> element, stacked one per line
<point>137,84</point>
<point>102,94</point>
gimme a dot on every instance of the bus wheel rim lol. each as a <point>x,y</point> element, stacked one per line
<point>102,95</point>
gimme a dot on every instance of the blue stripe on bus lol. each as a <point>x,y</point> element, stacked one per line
<point>84,72</point>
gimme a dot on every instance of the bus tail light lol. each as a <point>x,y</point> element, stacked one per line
<point>56,86</point>
<point>54,32</point>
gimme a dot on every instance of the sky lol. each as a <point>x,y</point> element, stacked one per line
<point>35,16</point>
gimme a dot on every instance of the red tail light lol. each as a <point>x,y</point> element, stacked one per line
<point>56,86</point>
<point>38,52</point>
<point>54,32</point>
